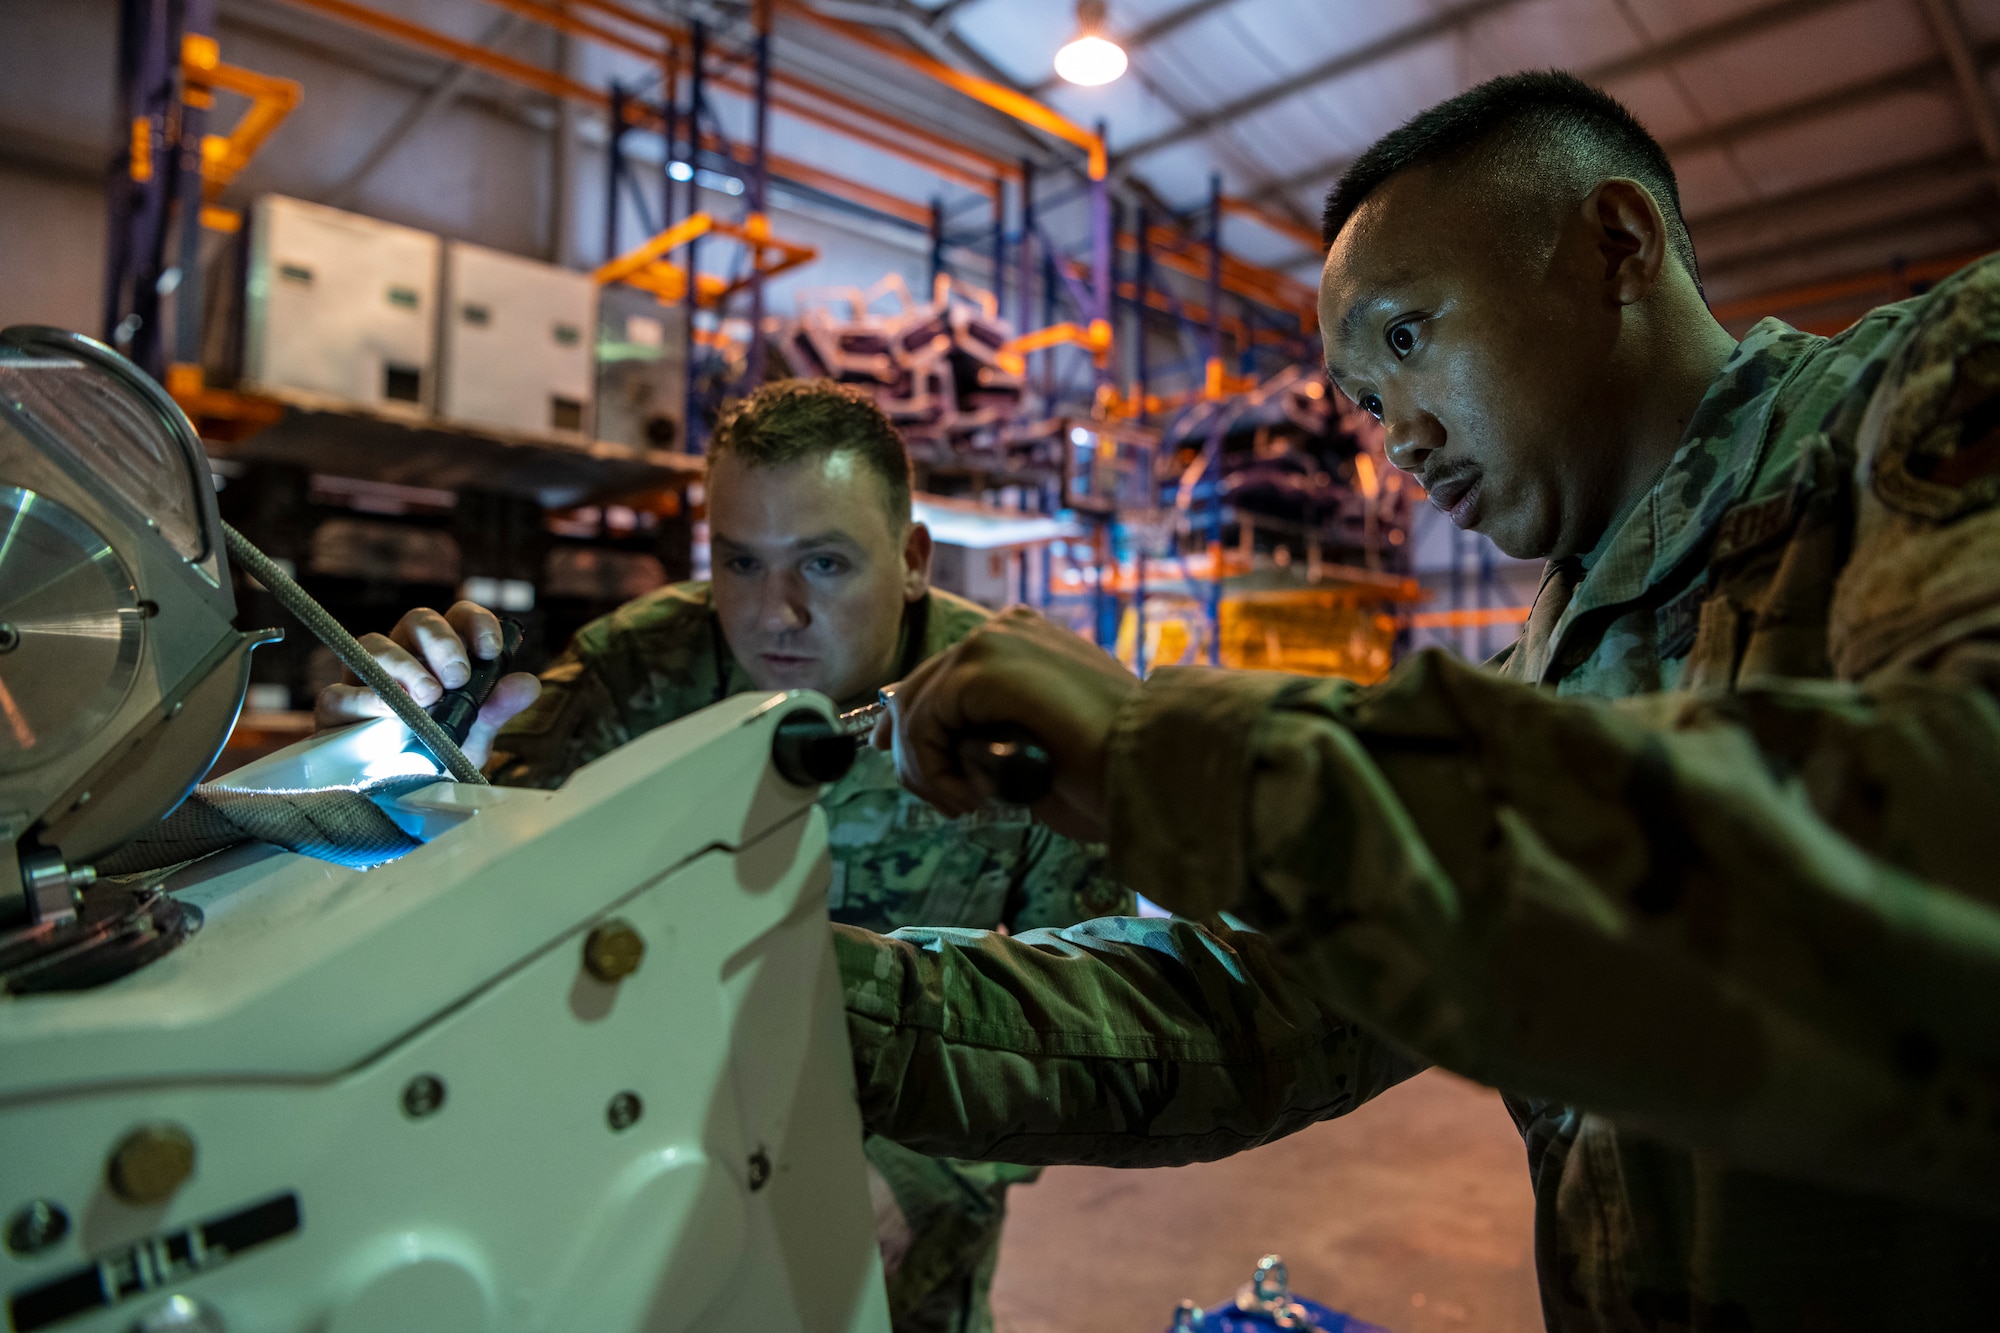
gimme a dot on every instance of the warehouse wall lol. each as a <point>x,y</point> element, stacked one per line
<point>479,168</point>
<point>51,248</point>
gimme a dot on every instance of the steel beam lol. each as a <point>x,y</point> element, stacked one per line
<point>1382,48</point>
<point>1888,229</point>
<point>1872,283</point>
<point>1005,100</point>
<point>1689,46</point>
<point>441,95</point>
<point>1949,26</point>
<point>1959,166</point>
<point>1963,165</point>
<point>1922,76</point>
<point>1702,41</point>
<point>760,182</point>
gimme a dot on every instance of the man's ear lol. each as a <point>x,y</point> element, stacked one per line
<point>916,563</point>
<point>1631,236</point>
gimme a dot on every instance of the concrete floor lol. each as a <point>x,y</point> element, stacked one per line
<point>1413,1213</point>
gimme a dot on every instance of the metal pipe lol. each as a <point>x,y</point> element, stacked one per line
<point>1000,247</point>
<point>197,19</point>
<point>670,137</point>
<point>1142,283</point>
<point>1949,27</point>
<point>555,85</point>
<point>122,173</point>
<point>1101,281</point>
<point>1048,318</point>
<point>691,427</point>
<point>563,246</point>
<point>753,361</point>
<point>1026,259</point>
<point>937,240</point>
<point>152,160</point>
<point>564,20</point>
<point>1213,452</point>
<point>614,170</point>
<point>1004,100</point>
<point>1138,609</point>
<point>1876,282</point>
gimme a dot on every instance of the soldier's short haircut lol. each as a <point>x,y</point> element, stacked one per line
<point>791,421</point>
<point>1545,126</point>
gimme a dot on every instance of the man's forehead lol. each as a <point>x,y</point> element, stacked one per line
<point>801,540</point>
<point>833,498</point>
<point>1400,231</point>
<point>1347,297</point>
<point>838,476</point>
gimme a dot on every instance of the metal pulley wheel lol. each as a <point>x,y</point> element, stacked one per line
<point>70,629</point>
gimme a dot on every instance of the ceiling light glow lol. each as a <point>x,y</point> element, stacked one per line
<point>1090,59</point>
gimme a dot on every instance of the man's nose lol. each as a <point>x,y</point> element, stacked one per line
<point>1411,437</point>
<point>785,609</point>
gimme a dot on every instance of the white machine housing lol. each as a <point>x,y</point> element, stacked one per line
<point>416,1109</point>
<point>516,343</point>
<point>341,305</point>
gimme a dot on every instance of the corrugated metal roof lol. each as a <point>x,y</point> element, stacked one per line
<point>1813,138</point>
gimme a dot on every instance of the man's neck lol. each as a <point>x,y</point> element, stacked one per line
<point>1676,376</point>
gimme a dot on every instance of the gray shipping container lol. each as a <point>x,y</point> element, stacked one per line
<point>516,347</point>
<point>341,305</point>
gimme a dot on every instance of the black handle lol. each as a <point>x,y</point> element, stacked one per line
<point>459,708</point>
<point>1014,764</point>
<point>809,751</point>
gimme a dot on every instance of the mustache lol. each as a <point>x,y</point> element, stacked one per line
<point>1444,474</point>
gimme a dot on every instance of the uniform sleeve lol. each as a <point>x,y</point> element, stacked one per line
<point>1062,882</point>
<point>1119,1042</point>
<point>1761,923</point>
<point>575,719</point>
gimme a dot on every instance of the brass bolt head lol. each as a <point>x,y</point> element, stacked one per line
<point>150,1163</point>
<point>613,951</point>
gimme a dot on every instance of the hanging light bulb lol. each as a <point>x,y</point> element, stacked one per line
<point>1090,58</point>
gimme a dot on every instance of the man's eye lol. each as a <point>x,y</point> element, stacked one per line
<point>1372,405</point>
<point>1403,338</point>
<point>825,564</point>
<point>740,564</point>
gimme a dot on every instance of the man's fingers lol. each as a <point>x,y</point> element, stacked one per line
<point>338,705</point>
<point>511,694</point>
<point>433,641</point>
<point>476,627</point>
<point>924,718</point>
<point>404,668</point>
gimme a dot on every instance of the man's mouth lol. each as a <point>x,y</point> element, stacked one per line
<point>1457,496</point>
<point>787,661</point>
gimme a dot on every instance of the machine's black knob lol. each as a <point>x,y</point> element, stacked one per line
<point>809,751</point>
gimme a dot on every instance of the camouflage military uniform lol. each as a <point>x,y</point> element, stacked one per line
<point>896,862</point>
<point>1711,854</point>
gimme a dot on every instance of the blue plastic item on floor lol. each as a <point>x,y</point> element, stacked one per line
<point>1266,1303</point>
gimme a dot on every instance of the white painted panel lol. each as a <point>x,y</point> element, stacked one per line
<point>517,342</point>
<point>341,304</point>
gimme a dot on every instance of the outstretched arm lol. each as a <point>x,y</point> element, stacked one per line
<point>1118,1042</point>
